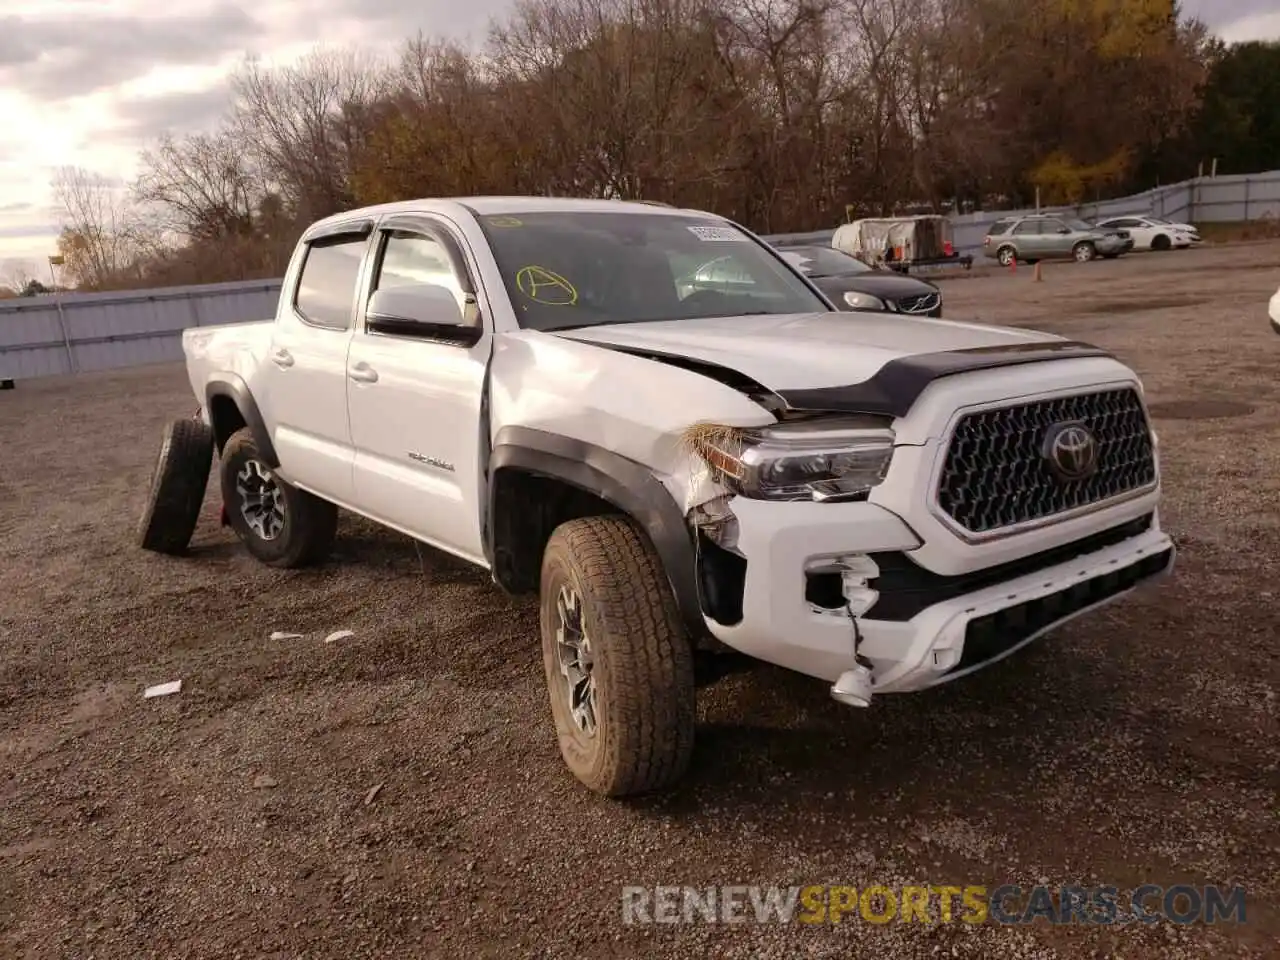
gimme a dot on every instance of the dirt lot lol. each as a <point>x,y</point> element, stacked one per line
<point>233,820</point>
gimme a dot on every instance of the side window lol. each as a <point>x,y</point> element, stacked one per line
<point>999,227</point>
<point>1027,228</point>
<point>327,287</point>
<point>1054,226</point>
<point>417,258</point>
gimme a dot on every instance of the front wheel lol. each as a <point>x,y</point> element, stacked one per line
<point>279,524</point>
<point>1084,252</point>
<point>619,665</point>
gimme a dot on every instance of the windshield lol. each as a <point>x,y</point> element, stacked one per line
<point>822,261</point>
<point>580,269</point>
<point>1158,220</point>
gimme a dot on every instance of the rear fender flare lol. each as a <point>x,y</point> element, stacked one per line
<point>233,387</point>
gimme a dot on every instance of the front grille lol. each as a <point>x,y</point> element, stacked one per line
<point>986,638</point>
<point>995,474</point>
<point>921,303</point>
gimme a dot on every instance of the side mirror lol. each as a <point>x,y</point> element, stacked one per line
<point>425,310</point>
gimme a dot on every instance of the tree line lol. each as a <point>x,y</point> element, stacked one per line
<point>785,115</point>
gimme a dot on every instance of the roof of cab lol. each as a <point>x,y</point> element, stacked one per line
<point>498,206</point>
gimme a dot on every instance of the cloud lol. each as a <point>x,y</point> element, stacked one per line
<point>56,57</point>
<point>1262,26</point>
<point>399,20</point>
<point>26,231</point>
<point>178,112</point>
<point>1238,20</point>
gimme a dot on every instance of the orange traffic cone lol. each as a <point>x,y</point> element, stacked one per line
<point>1013,264</point>
<point>1037,271</point>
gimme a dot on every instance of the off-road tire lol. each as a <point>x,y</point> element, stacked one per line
<point>1084,251</point>
<point>178,483</point>
<point>645,702</point>
<point>1006,255</point>
<point>1161,242</point>
<point>310,523</point>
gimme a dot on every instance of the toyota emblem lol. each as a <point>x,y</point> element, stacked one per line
<point>1071,450</point>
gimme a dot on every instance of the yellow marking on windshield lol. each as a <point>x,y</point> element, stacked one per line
<point>545,286</point>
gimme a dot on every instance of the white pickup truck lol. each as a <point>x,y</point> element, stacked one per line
<point>547,389</point>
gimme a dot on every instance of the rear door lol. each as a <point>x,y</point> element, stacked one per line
<point>302,383</point>
<point>1027,239</point>
<point>415,403</point>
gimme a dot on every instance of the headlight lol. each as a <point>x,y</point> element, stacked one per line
<point>813,460</point>
<point>863,301</point>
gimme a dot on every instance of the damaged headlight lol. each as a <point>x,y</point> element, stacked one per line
<point>803,460</point>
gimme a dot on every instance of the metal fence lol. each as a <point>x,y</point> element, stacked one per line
<point>1231,199</point>
<point>70,333</point>
<point>77,332</point>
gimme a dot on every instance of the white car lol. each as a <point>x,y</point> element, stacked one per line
<point>1153,233</point>
<point>1274,311</point>
<point>534,386</point>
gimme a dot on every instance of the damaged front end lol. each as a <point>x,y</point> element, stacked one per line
<point>813,459</point>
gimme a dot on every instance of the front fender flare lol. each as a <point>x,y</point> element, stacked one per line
<point>626,484</point>
<point>233,387</point>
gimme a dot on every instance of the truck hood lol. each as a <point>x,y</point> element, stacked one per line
<point>840,361</point>
<point>803,351</point>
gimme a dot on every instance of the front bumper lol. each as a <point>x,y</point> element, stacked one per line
<point>927,645</point>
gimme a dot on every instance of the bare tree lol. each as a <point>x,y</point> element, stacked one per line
<point>303,124</point>
<point>97,211</point>
<point>203,187</point>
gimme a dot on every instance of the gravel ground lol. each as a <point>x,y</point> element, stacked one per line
<point>239,818</point>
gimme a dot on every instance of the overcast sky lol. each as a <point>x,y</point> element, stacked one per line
<point>90,82</point>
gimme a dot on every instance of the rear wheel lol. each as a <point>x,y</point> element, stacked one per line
<point>619,665</point>
<point>1005,255</point>
<point>279,524</point>
<point>1084,252</point>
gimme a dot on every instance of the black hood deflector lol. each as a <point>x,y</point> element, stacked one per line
<point>894,388</point>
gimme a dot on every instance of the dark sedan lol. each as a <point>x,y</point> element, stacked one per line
<point>852,285</point>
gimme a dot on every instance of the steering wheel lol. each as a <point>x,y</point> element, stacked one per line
<point>705,298</point>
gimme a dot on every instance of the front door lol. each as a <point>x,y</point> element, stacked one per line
<point>302,382</point>
<point>415,403</point>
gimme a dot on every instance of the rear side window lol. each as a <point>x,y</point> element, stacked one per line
<point>999,227</point>
<point>327,287</point>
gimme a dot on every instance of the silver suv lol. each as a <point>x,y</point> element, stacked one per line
<point>1045,237</point>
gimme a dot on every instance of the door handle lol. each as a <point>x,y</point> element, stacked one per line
<point>363,373</point>
<point>281,357</point>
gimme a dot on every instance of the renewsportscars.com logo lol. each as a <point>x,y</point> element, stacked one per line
<point>1007,904</point>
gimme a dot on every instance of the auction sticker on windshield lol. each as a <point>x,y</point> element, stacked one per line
<point>717,233</point>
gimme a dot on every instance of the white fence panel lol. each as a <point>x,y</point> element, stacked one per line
<point>64,333</point>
